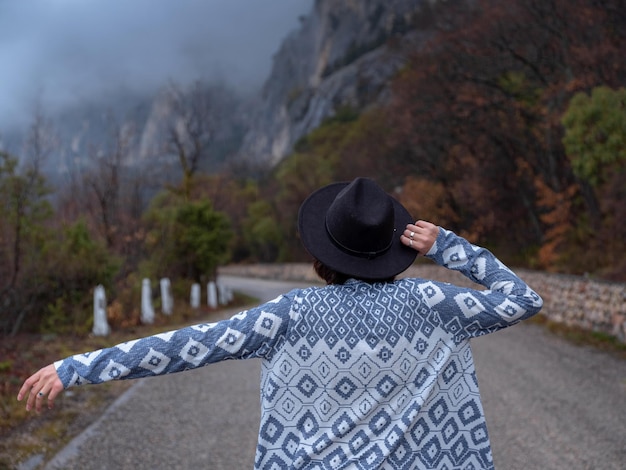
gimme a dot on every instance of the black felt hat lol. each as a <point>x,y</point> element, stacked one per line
<point>354,228</point>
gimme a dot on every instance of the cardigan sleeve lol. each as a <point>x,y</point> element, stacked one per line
<point>257,332</point>
<point>468,312</point>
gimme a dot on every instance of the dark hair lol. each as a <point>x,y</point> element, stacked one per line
<point>330,276</point>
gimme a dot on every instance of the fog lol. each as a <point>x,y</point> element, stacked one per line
<point>58,53</point>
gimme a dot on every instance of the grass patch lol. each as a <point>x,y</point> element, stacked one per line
<point>582,337</point>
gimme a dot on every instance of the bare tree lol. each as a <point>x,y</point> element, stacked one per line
<point>41,141</point>
<point>191,128</point>
<point>104,179</point>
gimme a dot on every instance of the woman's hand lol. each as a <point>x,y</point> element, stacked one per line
<point>44,384</point>
<point>420,236</point>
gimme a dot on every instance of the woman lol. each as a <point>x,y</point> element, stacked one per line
<point>365,372</point>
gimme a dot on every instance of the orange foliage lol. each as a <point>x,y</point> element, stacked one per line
<point>557,218</point>
<point>427,200</point>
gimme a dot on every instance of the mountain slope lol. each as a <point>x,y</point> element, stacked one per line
<point>343,55</point>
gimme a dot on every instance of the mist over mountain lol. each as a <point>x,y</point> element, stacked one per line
<point>67,58</point>
<point>283,69</point>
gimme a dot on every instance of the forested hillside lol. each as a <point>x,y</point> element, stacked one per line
<point>508,125</point>
<point>505,122</point>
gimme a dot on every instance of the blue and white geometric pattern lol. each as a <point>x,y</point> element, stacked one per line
<point>360,375</point>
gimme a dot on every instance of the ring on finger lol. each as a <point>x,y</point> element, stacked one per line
<point>411,235</point>
<point>40,394</point>
<point>410,242</point>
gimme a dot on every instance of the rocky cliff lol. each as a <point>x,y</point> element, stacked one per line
<point>343,54</point>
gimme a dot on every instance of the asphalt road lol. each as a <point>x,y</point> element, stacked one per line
<point>550,405</point>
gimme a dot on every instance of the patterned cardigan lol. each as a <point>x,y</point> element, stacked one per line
<point>360,375</point>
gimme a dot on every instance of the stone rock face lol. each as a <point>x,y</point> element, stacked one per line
<point>343,55</point>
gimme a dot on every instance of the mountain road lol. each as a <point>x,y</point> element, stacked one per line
<point>549,404</point>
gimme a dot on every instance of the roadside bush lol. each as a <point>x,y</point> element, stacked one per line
<point>76,266</point>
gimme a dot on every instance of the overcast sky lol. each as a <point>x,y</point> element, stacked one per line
<point>60,52</point>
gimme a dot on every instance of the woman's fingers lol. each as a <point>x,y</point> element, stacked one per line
<point>420,236</point>
<point>412,237</point>
<point>26,386</point>
<point>29,390</point>
<point>42,385</point>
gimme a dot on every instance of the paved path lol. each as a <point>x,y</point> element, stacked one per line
<point>550,405</point>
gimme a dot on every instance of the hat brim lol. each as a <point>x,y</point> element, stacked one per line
<point>316,240</point>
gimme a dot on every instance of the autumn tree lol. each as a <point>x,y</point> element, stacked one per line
<point>477,110</point>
